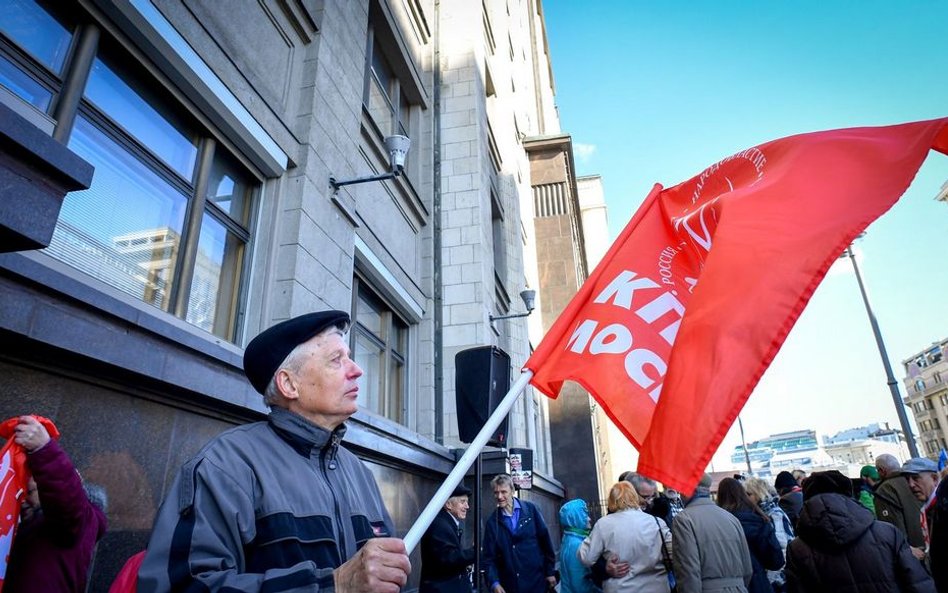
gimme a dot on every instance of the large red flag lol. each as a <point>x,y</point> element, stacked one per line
<point>677,324</point>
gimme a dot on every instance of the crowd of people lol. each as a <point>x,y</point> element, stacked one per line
<point>280,505</point>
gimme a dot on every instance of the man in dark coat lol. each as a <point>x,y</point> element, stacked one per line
<point>895,502</point>
<point>841,547</point>
<point>518,552</point>
<point>923,479</point>
<point>444,560</point>
<point>791,496</point>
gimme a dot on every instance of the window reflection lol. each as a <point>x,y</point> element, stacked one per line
<point>36,31</point>
<point>379,346</point>
<point>143,115</point>
<point>124,230</point>
<point>228,188</point>
<point>24,87</point>
<point>213,297</point>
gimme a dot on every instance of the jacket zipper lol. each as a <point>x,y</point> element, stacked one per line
<point>331,465</point>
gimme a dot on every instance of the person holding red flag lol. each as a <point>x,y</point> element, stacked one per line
<point>59,526</point>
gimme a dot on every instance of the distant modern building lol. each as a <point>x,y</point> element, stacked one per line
<point>860,446</point>
<point>925,374</point>
<point>942,194</point>
<point>785,451</point>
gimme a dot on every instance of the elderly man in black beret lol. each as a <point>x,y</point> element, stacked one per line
<point>444,559</point>
<point>279,505</point>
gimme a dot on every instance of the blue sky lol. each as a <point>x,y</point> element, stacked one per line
<point>657,91</point>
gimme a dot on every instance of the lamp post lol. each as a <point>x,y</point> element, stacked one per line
<point>397,148</point>
<point>750,471</point>
<point>890,378</point>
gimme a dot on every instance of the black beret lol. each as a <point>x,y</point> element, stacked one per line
<point>461,490</point>
<point>269,349</point>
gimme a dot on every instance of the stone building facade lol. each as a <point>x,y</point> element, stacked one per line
<point>926,382</point>
<point>213,129</point>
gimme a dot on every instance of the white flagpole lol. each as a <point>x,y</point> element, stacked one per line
<point>457,474</point>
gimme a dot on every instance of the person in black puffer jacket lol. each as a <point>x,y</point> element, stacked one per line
<point>840,547</point>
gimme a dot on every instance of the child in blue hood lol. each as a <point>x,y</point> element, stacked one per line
<point>574,520</point>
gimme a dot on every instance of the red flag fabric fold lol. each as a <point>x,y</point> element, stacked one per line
<point>677,324</point>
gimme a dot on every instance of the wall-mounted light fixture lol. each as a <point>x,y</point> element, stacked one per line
<point>529,301</point>
<point>397,147</point>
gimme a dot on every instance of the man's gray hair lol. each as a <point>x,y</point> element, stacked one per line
<point>887,463</point>
<point>638,480</point>
<point>293,362</point>
<point>502,480</point>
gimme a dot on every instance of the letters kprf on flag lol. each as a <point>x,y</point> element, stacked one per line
<point>677,324</point>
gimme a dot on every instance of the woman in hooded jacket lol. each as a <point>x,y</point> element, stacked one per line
<point>765,550</point>
<point>841,547</point>
<point>575,523</point>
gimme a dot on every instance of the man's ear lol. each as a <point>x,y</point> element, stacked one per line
<point>286,384</point>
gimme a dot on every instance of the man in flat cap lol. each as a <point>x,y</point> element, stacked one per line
<point>925,483</point>
<point>279,505</point>
<point>444,559</point>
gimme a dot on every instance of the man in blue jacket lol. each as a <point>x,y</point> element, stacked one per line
<point>518,552</point>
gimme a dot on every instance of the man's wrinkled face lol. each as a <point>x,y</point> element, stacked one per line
<point>503,496</point>
<point>922,485</point>
<point>647,494</point>
<point>457,506</point>
<point>326,387</point>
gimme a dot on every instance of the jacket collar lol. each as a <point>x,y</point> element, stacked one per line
<point>301,434</point>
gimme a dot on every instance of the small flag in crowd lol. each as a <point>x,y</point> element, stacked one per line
<point>942,460</point>
<point>676,325</point>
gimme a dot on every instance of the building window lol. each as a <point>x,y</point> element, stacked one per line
<point>380,345</point>
<point>167,217</point>
<point>386,98</point>
<point>936,377</point>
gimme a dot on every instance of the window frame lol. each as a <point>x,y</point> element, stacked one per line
<point>397,408</point>
<point>91,39</point>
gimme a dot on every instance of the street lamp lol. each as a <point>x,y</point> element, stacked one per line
<point>397,147</point>
<point>529,298</point>
<point>890,378</point>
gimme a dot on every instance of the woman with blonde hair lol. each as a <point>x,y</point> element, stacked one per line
<point>763,494</point>
<point>635,538</point>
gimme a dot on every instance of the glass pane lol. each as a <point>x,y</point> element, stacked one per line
<point>213,297</point>
<point>399,337</point>
<point>395,388</point>
<point>23,86</point>
<point>31,27</point>
<point>379,108</point>
<point>368,315</point>
<point>404,116</point>
<point>228,187</point>
<point>126,228</point>
<point>369,357</point>
<point>143,114</point>
<point>382,71</point>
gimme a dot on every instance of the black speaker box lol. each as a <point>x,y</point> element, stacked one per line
<point>481,380</point>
